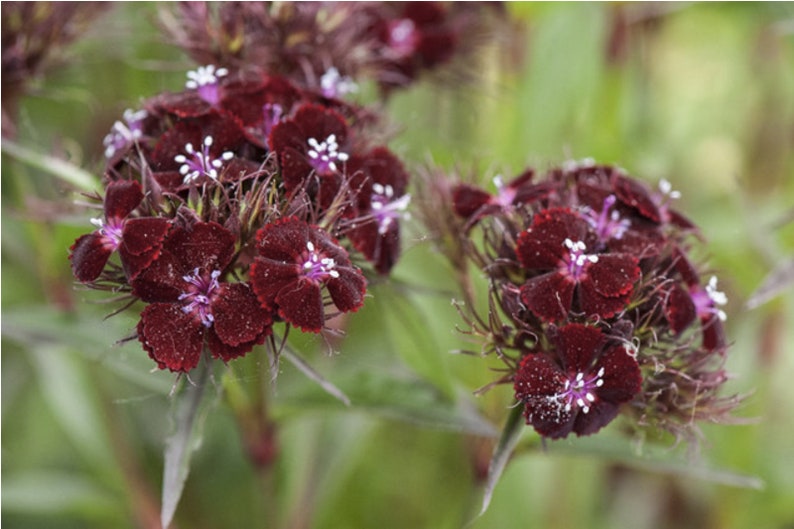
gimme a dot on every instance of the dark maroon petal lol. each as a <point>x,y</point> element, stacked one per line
<point>537,383</point>
<point>269,277</point>
<point>613,275</point>
<point>593,303</point>
<point>599,415</point>
<point>549,296</point>
<point>89,255</point>
<point>225,352</point>
<point>207,245</point>
<point>238,316</point>
<point>684,267</point>
<point>713,333</point>
<point>577,346</point>
<point>142,235</point>
<point>622,377</point>
<point>636,195</point>
<point>301,304</point>
<point>679,309</point>
<point>161,280</point>
<point>641,242</point>
<point>468,200</point>
<point>172,338</point>
<point>284,239</point>
<point>121,198</point>
<point>183,104</point>
<point>296,171</point>
<point>347,290</point>
<point>381,249</point>
<point>542,246</point>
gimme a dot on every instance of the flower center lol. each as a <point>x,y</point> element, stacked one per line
<point>333,84</point>
<point>122,135</point>
<point>580,391</point>
<point>199,163</point>
<point>403,37</point>
<point>577,258</point>
<point>315,266</point>
<point>385,208</point>
<point>199,295</point>
<point>323,155</point>
<point>607,225</point>
<point>708,299</point>
<point>111,232</point>
<point>205,79</point>
<point>504,194</point>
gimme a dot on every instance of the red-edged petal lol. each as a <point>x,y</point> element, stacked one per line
<point>593,303</point>
<point>613,275</point>
<point>89,255</point>
<point>381,249</point>
<point>679,309</point>
<point>537,383</point>
<point>347,291</point>
<point>468,200</point>
<point>269,277</point>
<point>172,338</point>
<point>121,198</point>
<point>238,316</point>
<point>622,377</point>
<point>599,415</point>
<point>549,296</point>
<point>142,235</point>
<point>542,246</point>
<point>225,352</point>
<point>301,304</point>
<point>207,245</point>
<point>577,346</point>
<point>634,194</point>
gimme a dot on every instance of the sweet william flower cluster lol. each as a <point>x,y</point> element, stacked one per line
<point>595,307</point>
<point>241,202</point>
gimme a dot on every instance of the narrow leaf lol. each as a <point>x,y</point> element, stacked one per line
<point>316,377</point>
<point>65,171</point>
<point>513,429</point>
<point>185,439</point>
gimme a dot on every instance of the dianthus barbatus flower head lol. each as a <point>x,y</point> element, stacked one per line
<point>587,251</point>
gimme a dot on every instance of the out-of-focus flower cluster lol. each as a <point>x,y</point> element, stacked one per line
<point>314,43</point>
<point>595,306</point>
<point>235,204</point>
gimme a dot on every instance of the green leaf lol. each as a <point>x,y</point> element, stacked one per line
<point>393,395</point>
<point>61,169</point>
<point>511,433</point>
<point>55,493</point>
<point>315,377</point>
<point>188,411</point>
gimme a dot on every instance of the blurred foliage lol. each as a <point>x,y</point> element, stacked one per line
<point>699,94</point>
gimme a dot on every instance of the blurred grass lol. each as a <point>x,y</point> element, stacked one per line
<point>698,94</point>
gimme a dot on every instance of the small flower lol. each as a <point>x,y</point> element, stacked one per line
<point>198,164</point>
<point>334,85</point>
<point>556,245</point>
<point>190,305</point>
<point>473,203</point>
<point>296,261</point>
<point>311,148</point>
<point>137,240</point>
<point>402,37</point>
<point>206,81</point>
<point>379,182</point>
<point>123,135</point>
<point>580,386</point>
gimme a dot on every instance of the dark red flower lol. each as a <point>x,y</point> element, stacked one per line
<point>378,182</point>
<point>474,203</point>
<point>137,240</point>
<point>190,305</point>
<point>311,148</point>
<point>556,246</point>
<point>689,300</point>
<point>580,386</point>
<point>296,260</point>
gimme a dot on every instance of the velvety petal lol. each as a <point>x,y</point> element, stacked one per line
<point>142,235</point>
<point>538,383</point>
<point>239,318</point>
<point>713,333</point>
<point>226,352</point>
<point>622,377</point>
<point>207,245</point>
<point>542,247</point>
<point>172,338</point>
<point>268,277</point>
<point>636,195</point>
<point>183,104</point>
<point>381,249</point>
<point>89,254</point>
<point>577,346</point>
<point>121,198</point>
<point>468,200</point>
<point>161,280</point>
<point>549,296</point>
<point>301,304</point>
<point>593,303</point>
<point>599,415</point>
<point>284,239</point>
<point>347,291</point>
<point>613,275</point>
<point>679,309</point>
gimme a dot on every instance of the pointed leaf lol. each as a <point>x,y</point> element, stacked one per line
<point>68,172</point>
<point>316,377</point>
<point>511,433</point>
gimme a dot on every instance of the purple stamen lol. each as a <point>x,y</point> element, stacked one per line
<point>199,295</point>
